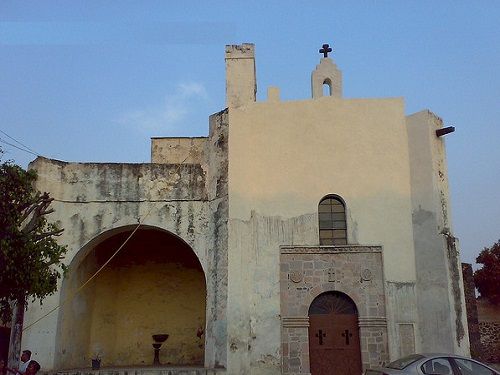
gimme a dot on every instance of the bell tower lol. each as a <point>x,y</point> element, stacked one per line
<point>326,74</point>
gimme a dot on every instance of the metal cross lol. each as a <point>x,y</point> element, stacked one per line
<point>326,48</point>
<point>320,335</point>
<point>346,334</point>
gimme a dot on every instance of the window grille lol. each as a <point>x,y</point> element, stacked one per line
<point>332,221</point>
<point>333,303</point>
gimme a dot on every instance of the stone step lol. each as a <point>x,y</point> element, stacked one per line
<point>140,371</point>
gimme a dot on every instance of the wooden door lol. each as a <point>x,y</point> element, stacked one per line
<point>334,346</point>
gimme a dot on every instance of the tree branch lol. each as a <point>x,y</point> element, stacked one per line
<point>55,261</point>
<point>39,209</point>
<point>28,211</point>
<point>41,236</point>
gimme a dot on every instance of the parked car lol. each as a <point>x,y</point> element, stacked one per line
<point>434,364</point>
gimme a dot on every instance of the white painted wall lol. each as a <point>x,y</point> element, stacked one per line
<point>283,158</point>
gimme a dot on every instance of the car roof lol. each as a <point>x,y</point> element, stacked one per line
<point>429,355</point>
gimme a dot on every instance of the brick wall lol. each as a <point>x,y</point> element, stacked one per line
<point>471,307</point>
<point>483,319</point>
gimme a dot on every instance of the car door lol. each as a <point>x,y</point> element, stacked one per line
<point>470,367</point>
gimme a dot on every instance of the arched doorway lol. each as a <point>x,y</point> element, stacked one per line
<point>334,346</point>
<point>155,285</point>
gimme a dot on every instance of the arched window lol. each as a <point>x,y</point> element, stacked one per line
<point>333,303</point>
<point>332,221</point>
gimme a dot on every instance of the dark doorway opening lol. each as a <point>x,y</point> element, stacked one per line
<point>4,342</point>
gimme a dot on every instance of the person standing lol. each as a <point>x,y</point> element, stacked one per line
<point>33,368</point>
<point>25,360</point>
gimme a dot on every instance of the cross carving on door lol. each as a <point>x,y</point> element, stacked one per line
<point>346,334</point>
<point>320,335</point>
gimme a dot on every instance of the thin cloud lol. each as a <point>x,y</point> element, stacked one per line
<point>175,109</point>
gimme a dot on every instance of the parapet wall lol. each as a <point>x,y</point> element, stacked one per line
<point>177,150</point>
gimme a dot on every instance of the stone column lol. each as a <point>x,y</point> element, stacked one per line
<point>295,345</point>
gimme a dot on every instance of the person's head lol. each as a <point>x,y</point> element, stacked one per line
<point>32,368</point>
<point>2,363</point>
<point>25,356</point>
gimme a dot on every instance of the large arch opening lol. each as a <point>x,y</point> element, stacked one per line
<point>334,345</point>
<point>155,285</point>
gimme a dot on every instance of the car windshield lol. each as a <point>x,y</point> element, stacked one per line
<point>405,361</point>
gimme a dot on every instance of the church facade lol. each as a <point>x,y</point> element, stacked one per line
<point>296,236</point>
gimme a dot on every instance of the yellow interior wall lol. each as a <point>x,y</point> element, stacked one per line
<point>154,286</point>
<point>133,303</point>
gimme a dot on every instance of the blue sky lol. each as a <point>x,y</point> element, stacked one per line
<point>94,80</point>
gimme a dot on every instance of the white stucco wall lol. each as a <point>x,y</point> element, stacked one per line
<point>441,301</point>
<point>283,158</point>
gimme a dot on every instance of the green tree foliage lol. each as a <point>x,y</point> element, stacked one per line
<point>487,279</point>
<point>30,257</point>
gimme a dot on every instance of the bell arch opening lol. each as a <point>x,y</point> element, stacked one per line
<point>327,87</point>
<point>155,285</point>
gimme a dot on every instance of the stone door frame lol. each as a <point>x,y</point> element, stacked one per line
<point>308,271</point>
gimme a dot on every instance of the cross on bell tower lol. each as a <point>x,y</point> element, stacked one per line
<point>326,79</point>
<point>325,50</point>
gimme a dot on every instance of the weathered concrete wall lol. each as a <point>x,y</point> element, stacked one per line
<point>176,150</point>
<point>93,201</point>
<point>216,161</point>
<point>283,158</point>
<point>253,291</point>
<point>402,317</point>
<point>441,302</point>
